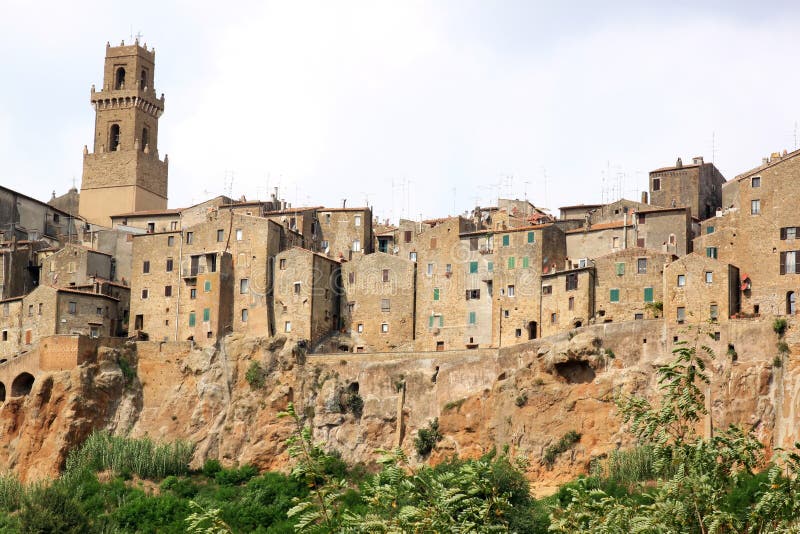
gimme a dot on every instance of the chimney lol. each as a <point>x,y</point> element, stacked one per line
<point>764,161</point>
<point>679,163</point>
<point>344,203</point>
<point>644,197</point>
<point>697,160</point>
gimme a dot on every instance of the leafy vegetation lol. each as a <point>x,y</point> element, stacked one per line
<point>427,438</point>
<point>779,325</point>
<point>562,445</point>
<point>256,375</point>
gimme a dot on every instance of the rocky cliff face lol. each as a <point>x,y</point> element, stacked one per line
<point>523,398</point>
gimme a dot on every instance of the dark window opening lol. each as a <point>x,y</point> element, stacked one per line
<point>145,138</point>
<point>532,330</point>
<point>113,138</point>
<point>143,80</point>
<point>138,322</point>
<point>119,82</point>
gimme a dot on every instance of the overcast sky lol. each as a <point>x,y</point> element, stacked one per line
<point>417,108</point>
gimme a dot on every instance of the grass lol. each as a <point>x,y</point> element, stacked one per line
<point>453,405</point>
<point>256,376</point>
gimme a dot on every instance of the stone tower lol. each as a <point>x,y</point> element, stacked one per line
<point>124,173</point>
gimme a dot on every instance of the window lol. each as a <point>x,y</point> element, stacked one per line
<point>244,286</point>
<point>642,218</point>
<point>506,239</point>
<point>547,290</point>
<point>407,236</point>
<point>245,314</point>
<point>113,138</point>
<point>433,243</point>
<point>193,293</point>
<point>412,256</point>
<point>170,264</point>
<point>656,184</point>
<point>297,288</point>
<point>648,294</point>
<point>430,269</point>
<point>5,335</point>
<point>324,245</point>
<point>170,240</point>
<point>360,328</point>
<point>430,321</point>
<point>206,314</point>
<point>357,220</point>
<point>30,310</point>
<point>638,316</point>
<point>619,268</point>
<point>755,207</point>
<point>711,252</point>
<point>789,263</point>
<point>385,275</point>
<point>384,328</point>
<point>207,286</point>
<point>511,291</point>
<point>287,326</point>
<point>473,243</point>
<point>167,291</point>
<point>490,266</point>
<point>525,263</point>
<point>189,238</point>
<point>220,235</point>
<point>511,262</point>
<point>473,267</point>
<point>73,308</point>
<point>709,229</point>
<point>435,293</point>
<point>615,242</point>
<point>531,237</point>
<point>472,319</point>
<point>713,312</point>
<point>641,266</point>
<point>173,225</point>
<point>282,264</point>
<point>351,278</point>
<point>448,268</point>
<point>41,306</point>
<point>681,315</point>
<point>506,314</point>
<point>572,281</point>
<point>554,318</point>
<point>789,232</point>
<point>473,294</point>
<point>146,266</point>
<point>385,305</point>
<point>681,280</point>
<point>613,295</point>
<point>356,245</point>
<point>192,319</point>
<point>144,294</point>
<point>238,234</point>
<point>709,277</point>
<point>755,181</point>
<point>571,303</point>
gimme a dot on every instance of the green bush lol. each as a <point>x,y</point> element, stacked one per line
<point>777,362</point>
<point>779,326</point>
<point>521,400</point>
<point>233,477</point>
<point>783,347</point>
<point>427,438</point>
<point>211,467</point>
<point>353,403</point>
<point>256,376</point>
<point>562,445</point>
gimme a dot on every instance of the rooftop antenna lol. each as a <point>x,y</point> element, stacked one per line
<point>544,174</point>
<point>525,189</point>
<point>714,145</point>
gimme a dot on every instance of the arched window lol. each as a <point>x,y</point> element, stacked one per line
<point>143,80</point>
<point>120,79</point>
<point>113,138</point>
<point>145,137</point>
<point>790,303</point>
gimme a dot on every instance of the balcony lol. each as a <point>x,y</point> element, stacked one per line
<point>191,271</point>
<point>486,250</point>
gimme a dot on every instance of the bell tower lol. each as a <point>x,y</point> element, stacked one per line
<point>124,174</point>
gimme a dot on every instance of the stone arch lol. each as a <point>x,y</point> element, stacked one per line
<point>22,385</point>
<point>791,305</point>
<point>113,138</point>
<point>119,78</point>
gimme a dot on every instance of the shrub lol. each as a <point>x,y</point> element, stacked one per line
<point>521,400</point>
<point>562,445</point>
<point>779,326</point>
<point>453,405</point>
<point>427,438</point>
<point>211,468</point>
<point>255,375</point>
<point>777,362</point>
<point>353,403</point>
<point>234,477</point>
<point>127,370</point>
<point>783,347</point>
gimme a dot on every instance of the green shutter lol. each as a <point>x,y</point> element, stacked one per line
<point>525,262</point>
<point>530,237</point>
<point>430,321</point>
<point>648,294</point>
<point>472,319</point>
<point>709,229</point>
<point>490,266</point>
<point>207,286</point>
<point>620,268</point>
<point>192,319</point>
<point>473,267</point>
<point>441,321</point>
<point>207,314</point>
<point>511,262</point>
<point>711,252</point>
<point>435,293</point>
<point>614,296</point>
<point>505,240</point>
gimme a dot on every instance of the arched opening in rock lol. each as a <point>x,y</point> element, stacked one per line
<point>352,388</point>
<point>575,371</point>
<point>22,385</point>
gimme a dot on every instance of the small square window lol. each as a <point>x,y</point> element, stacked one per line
<point>473,267</point>
<point>709,277</point>
<point>282,264</point>
<point>193,293</point>
<point>638,316</point>
<point>245,314</point>
<point>384,328</point>
<point>220,235</point>
<point>189,238</point>
<point>511,291</point>
<point>755,181</point>
<point>360,328</point>
<point>547,290</point>
<point>711,252</point>
<point>287,326</point>
<point>146,266</point>
<point>73,308</point>
<point>412,256</point>
<point>244,286</point>
<point>641,266</point>
<point>681,280</point>
<point>613,295</point>
<point>170,240</point>
<point>170,264</point>
<point>144,294</point>
<point>238,234</point>
<point>385,275</point>
<point>385,305</point>
<point>167,291</point>
<point>506,240</point>
<point>297,288</point>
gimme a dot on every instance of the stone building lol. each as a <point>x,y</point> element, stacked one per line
<point>306,294</point>
<point>207,280</point>
<point>629,284</point>
<point>123,173</point>
<point>25,218</point>
<point>698,289</point>
<point>697,186</point>
<point>75,265</point>
<point>477,249</point>
<point>760,236</point>
<point>19,271</point>
<point>378,302</point>
<point>302,221</point>
<point>567,301</point>
<point>48,311</point>
<point>344,232</point>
